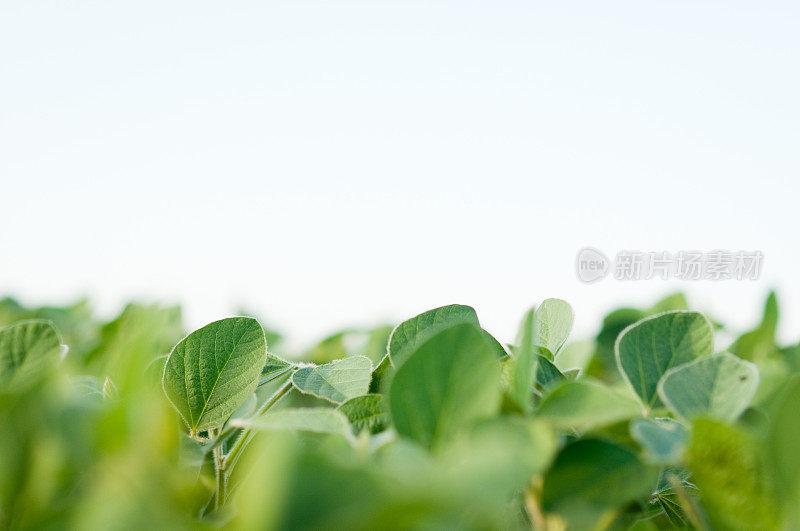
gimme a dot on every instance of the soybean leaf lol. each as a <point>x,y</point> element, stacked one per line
<point>726,466</point>
<point>410,334</point>
<point>547,374</point>
<point>719,386</point>
<point>448,382</point>
<point>274,367</point>
<point>575,355</point>
<point>676,496</point>
<point>312,420</point>
<point>27,350</point>
<point>590,476</point>
<point>781,444</point>
<point>663,439</point>
<point>415,331</point>
<point>759,343</point>
<point>585,405</point>
<point>213,370</point>
<point>368,412</point>
<point>523,367</point>
<point>337,381</point>
<point>554,319</point>
<point>650,347</point>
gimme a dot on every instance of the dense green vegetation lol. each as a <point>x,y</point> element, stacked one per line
<point>656,422</point>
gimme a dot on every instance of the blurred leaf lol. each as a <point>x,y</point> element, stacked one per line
<point>585,405</point>
<point>211,372</point>
<point>781,445</point>
<point>522,368</point>
<point>109,389</point>
<point>547,374</point>
<point>368,412</point>
<point>649,348</point>
<point>720,386</point>
<point>759,343</point>
<point>663,439</point>
<point>575,355</point>
<point>27,351</point>
<point>726,466</point>
<point>590,477</point>
<point>312,420</point>
<point>448,382</point>
<point>337,381</point>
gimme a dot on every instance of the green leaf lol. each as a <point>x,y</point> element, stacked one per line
<point>211,372</point>
<point>590,476</point>
<point>27,350</point>
<point>719,386</point>
<point>759,343</point>
<point>782,452</point>
<point>410,334</point>
<point>407,335</point>
<point>649,348</point>
<point>575,355</point>
<point>726,467</point>
<point>368,412</point>
<point>311,420</point>
<point>585,405</point>
<point>273,368</point>
<point>337,381</point>
<point>547,374</point>
<point>554,319</point>
<point>523,366</point>
<point>448,382</point>
<point>663,439</point>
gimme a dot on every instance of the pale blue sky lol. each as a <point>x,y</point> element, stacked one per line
<point>331,163</point>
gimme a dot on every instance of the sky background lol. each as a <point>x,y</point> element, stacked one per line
<point>350,163</point>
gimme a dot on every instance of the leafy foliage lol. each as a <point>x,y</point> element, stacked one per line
<point>431,424</point>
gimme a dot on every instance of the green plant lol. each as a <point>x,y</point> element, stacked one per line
<point>448,428</point>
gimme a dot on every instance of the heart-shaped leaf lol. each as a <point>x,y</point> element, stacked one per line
<point>337,381</point>
<point>447,383</point>
<point>650,347</point>
<point>27,350</point>
<point>719,387</point>
<point>214,369</point>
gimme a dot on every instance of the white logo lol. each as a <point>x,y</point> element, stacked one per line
<point>591,265</point>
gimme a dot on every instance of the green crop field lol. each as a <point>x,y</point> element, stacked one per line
<point>660,420</point>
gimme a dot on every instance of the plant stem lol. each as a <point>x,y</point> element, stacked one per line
<point>219,475</point>
<point>244,438</point>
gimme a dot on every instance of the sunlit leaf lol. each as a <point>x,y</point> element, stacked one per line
<point>214,369</point>
<point>337,381</point>
<point>652,346</point>
<point>719,386</point>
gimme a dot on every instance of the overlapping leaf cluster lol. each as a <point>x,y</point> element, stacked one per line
<point>657,422</point>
